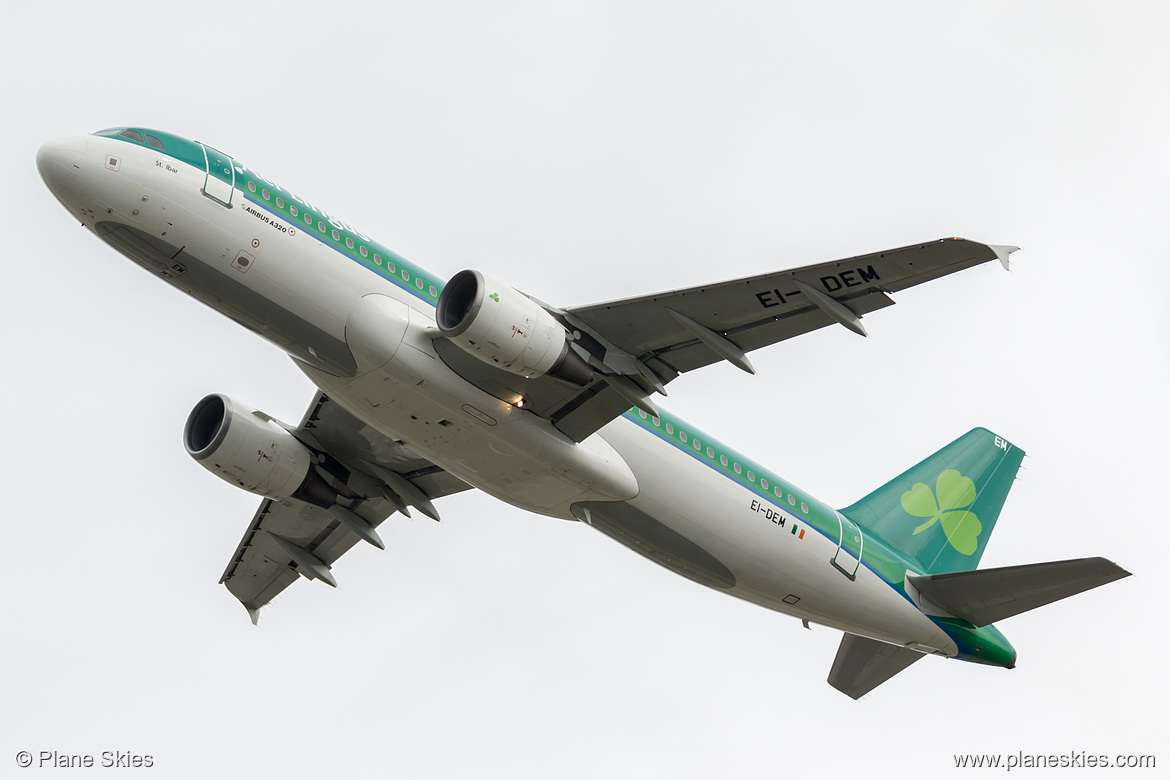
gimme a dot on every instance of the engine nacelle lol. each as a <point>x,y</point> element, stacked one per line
<point>506,329</point>
<point>251,451</point>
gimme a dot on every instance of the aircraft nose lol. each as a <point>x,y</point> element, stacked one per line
<point>60,160</point>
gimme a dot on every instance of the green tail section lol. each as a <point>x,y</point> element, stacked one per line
<point>941,512</point>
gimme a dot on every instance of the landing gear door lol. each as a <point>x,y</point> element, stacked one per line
<point>221,176</point>
<point>848,556</point>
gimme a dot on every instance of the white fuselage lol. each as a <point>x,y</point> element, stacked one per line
<point>367,342</point>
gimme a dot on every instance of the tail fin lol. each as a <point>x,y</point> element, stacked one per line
<point>941,512</point>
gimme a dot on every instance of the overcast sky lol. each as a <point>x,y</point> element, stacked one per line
<point>591,152</point>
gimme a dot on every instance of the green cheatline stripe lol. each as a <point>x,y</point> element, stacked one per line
<point>886,562</point>
<point>407,275</point>
<point>750,474</point>
<point>391,271</point>
<point>309,218</point>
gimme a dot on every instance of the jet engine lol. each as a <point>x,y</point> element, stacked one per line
<point>507,329</point>
<point>250,450</point>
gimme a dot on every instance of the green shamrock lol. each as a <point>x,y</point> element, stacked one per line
<point>495,297</point>
<point>953,492</point>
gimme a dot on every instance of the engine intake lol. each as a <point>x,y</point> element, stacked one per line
<point>505,328</point>
<point>252,451</point>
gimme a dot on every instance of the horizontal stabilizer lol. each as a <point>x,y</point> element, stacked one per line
<point>984,596</point>
<point>863,664</point>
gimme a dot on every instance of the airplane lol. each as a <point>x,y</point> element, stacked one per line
<point>427,388</point>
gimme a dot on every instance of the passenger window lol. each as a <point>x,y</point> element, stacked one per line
<point>348,242</point>
<point>779,493</point>
<point>293,210</point>
<point>434,293</point>
<point>266,194</point>
<point>710,453</point>
<point>722,460</point>
<point>152,141</point>
<point>418,282</point>
<point>363,251</point>
<point>751,477</point>
<point>377,259</point>
<point>669,428</point>
<point>405,275</point>
<point>683,436</point>
<point>791,500</point>
<point>251,186</point>
<point>738,469</point>
<point>336,236</point>
<point>764,484</point>
<point>280,202</point>
<point>133,135</point>
<point>804,507</point>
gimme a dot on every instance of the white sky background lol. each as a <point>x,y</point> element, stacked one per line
<point>593,152</point>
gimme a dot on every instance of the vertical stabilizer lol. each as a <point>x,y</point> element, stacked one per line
<point>941,512</point>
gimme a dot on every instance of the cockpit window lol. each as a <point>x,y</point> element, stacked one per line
<point>154,141</point>
<point>133,135</point>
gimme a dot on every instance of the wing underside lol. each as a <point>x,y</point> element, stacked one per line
<point>289,539</point>
<point>638,345</point>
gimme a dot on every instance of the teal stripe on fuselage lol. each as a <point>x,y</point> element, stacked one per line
<point>878,557</point>
<point>384,273</point>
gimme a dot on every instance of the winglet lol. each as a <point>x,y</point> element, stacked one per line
<point>1003,253</point>
<point>254,614</point>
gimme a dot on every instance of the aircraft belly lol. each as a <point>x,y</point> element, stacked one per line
<point>505,451</point>
<point>737,550</point>
<point>282,283</point>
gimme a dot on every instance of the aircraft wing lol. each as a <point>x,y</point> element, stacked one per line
<point>638,345</point>
<point>288,539</point>
<point>756,311</point>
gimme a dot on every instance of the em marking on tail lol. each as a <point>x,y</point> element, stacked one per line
<point>946,505</point>
<point>940,513</point>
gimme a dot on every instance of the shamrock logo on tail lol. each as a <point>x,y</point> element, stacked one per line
<point>945,505</point>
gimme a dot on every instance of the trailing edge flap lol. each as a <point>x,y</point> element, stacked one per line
<point>863,664</point>
<point>984,596</point>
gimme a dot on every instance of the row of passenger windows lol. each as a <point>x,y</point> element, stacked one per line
<point>723,461</point>
<point>349,242</point>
